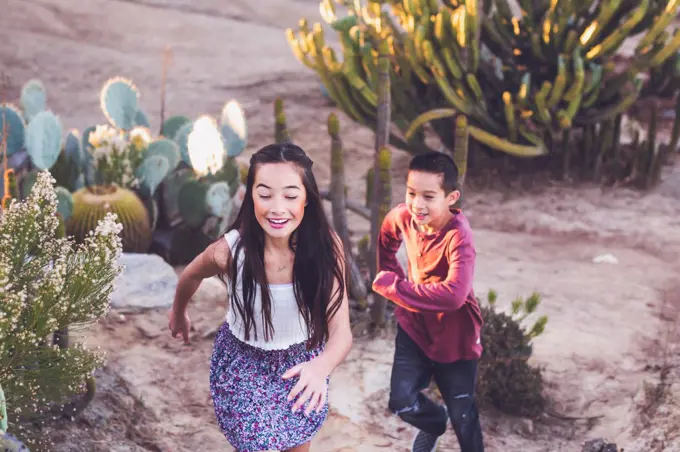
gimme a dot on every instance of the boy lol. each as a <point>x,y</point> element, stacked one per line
<point>438,317</point>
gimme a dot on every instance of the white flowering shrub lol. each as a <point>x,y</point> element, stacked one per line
<point>48,283</point>
<point>117,153</point>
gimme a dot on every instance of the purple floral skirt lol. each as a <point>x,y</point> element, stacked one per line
<point>250,397</point>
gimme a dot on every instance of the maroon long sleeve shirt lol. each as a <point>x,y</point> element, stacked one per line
<point>436,305</point>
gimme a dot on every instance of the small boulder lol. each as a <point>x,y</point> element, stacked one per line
<point>599,445</point>
<point>147,282</point>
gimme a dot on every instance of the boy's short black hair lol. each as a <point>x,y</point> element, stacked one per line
<point>437,163</point>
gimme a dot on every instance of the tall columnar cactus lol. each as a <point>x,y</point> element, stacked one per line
<point>357,288</point>
<point>281,134</point>
<point>385,181</point>
<point>519,80</point>
<point>460,153</point>
<point>382,191</point>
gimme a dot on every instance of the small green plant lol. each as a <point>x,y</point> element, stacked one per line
<point>48,283</point>
<point>506,379</point>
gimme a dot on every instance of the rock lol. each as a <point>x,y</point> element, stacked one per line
<point>212,292</point>
<point>525,427</point>
<point>605,259</point>
<point>150,328</point>
<point>146,282</point>
<point>599,445</point>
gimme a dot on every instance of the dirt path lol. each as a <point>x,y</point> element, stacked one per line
<point>602,340</point>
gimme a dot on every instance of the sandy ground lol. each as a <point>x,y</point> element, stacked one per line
<point>608,334</point>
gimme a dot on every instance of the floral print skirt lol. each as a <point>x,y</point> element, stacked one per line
<point>250,397</point>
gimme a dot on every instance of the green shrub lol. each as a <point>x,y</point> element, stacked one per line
<point>506,380</point>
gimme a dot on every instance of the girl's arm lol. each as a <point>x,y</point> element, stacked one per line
<point>213,261</point>
<point>339,330</point>
<point>311,385</point>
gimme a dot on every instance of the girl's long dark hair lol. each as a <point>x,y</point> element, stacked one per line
<point>316,265</point>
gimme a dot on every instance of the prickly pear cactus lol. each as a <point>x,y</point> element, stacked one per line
<point>191,202</point>
<point>234,128</point>
<point>218,199</point>
<point>64,202</point>
<point>141,119</point>
<point>33,98</point>
<point>73,148</point>
<point>119,102</point>
<point>182,140</point>
<point>166,148</point>
<point>172,125</point>
<point>12,122</point>
<point>43,139</point>
<point>91,204</point>
<point>152,171</point>
<point>206,147</point>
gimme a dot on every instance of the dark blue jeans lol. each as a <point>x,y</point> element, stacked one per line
<point>412,372</point>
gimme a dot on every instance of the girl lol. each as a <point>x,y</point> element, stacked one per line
<point>288,324</point>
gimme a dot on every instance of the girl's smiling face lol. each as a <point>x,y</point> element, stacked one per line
<point>279,198</point>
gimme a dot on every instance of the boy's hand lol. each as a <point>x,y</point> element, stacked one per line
<point>384,279</point>
<point>312,379</point>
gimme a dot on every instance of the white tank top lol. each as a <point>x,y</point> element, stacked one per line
<point>289,325</point>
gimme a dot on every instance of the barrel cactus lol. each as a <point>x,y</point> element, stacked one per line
<point>92,204</point>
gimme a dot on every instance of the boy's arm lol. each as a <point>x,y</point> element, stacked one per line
<point>445,296</point>
<point>389,240</point>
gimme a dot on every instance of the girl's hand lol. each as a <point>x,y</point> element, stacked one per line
<point>179,323</point>
<point>313,381</point>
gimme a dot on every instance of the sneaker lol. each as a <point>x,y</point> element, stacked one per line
<point>425,442</point>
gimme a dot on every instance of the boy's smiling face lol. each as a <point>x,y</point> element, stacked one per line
<point>427,201</point>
